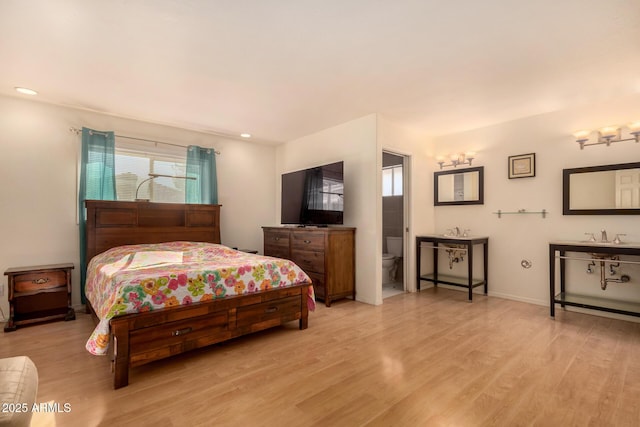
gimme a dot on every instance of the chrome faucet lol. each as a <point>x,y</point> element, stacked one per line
<point>617,240</point>
<point>457,231</point>
<point>604,239</point>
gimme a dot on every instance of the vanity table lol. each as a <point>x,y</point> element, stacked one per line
<point>558,255</point>
<point>439,243</point>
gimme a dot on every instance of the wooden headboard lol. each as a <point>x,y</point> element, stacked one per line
<point>114,223</point>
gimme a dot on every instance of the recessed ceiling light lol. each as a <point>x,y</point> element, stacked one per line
<point>26,91</point>
<point>245,135</point>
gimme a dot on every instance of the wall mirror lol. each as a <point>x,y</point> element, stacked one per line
<point>459,187</point>
<point>602,190</point>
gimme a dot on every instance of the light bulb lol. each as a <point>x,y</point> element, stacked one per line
<point>582,135</point>
<point>634,127</point>
<point>609,131</point>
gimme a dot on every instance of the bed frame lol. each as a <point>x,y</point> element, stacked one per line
<point>137,339</point>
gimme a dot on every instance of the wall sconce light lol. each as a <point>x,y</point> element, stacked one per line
<point>154,176</point>
<point>457,159</point>
<point>608,135</point>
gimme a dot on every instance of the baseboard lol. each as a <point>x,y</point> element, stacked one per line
<point>520,299</point>
<point>545,303</point>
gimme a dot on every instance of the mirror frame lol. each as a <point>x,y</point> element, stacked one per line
<point>480,201</point>
<point>566,176</point>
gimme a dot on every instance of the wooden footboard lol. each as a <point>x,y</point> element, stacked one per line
<point>141,338</point>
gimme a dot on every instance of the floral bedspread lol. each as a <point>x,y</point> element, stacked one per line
<point>139,278</point>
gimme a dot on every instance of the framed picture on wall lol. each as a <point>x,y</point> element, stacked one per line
<point>522,166</point>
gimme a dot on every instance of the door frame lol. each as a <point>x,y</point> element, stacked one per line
<point>406,191</point>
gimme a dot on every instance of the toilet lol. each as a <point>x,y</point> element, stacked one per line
<point>391,259</point>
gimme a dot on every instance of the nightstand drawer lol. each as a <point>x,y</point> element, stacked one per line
<point>40,281</point>
<point>41,303</point>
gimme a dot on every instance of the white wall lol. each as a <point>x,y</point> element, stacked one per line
<point>355,144</point>
<point>38,176</point>
<point>517,237</point>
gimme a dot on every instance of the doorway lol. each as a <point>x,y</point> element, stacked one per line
<point>394,223</point>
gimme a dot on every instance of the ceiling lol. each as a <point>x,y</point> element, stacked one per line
<point>282,69</point>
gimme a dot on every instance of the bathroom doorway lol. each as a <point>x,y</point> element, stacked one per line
<point>394,223</point>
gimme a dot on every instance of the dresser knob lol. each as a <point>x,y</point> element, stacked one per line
<point>40,281</point>
<point>307,241</point>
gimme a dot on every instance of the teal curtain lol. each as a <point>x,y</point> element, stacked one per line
<point>97,182</point>
<point>201,165</point>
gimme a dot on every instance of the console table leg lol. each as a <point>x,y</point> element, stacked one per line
<point>552,281</point>
<point>470,271</point>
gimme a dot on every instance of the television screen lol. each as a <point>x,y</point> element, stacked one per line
<point>313,196</point>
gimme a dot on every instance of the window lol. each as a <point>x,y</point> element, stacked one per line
<point>391,181</point>
<point>134,166</point>
<point>332,192</point>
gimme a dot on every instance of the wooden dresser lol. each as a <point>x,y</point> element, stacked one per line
<point>326,254</point>
<point>38,294</point>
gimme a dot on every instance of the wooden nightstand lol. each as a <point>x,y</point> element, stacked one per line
<point>39,293</point>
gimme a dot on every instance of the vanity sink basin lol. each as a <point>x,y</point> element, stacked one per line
<point>599,255</point>
<point>607,244</point>
<point>453,246</point>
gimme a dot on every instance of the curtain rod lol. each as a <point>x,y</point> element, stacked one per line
<point>78,131</point>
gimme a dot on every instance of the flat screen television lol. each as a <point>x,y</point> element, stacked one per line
<point>313,196</point>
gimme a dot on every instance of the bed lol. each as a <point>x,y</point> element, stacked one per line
<point>183,306</point>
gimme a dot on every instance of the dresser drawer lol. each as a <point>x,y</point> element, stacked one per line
<point>276,238</point>
<point>35,282</point>
<point>307,241</point>
<point>276,251</point>
<point>309,260</point>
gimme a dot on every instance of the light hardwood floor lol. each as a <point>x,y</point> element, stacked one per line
<point>418,360</point>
